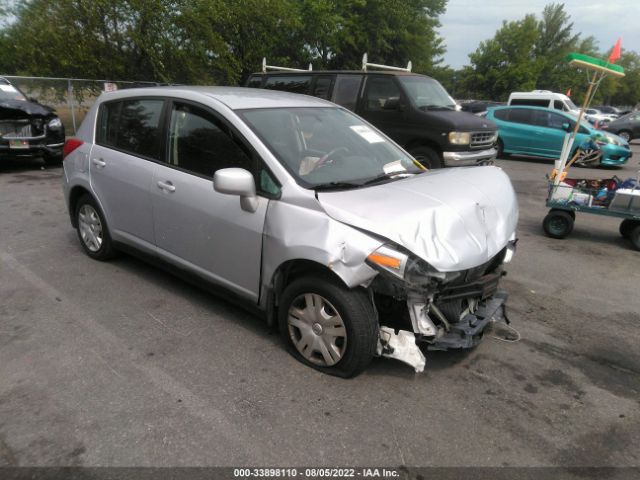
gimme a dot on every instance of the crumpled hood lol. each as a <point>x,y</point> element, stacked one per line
<point>454,219</point>
<point>10,109</point>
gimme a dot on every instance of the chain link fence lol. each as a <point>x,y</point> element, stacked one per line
<point>70,97</point>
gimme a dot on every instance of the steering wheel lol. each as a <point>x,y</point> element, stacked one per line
<point>327,158</point>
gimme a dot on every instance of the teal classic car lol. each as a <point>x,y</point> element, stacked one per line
<point>540,132</point>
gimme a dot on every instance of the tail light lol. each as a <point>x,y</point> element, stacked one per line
<point>70,145</point>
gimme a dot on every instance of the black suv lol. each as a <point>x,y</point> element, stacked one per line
<point>414,110</point>
<point>28,129</point>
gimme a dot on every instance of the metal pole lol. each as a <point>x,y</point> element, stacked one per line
<point>70,101</point>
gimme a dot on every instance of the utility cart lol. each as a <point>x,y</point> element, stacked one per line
<point>610,197</point>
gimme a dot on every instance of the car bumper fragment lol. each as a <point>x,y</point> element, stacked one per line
<point>460,159</point>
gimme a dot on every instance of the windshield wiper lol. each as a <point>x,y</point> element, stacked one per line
<point>335,185</point>
<point>386,176</point>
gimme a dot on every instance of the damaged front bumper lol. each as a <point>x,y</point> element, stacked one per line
<point>466,333</point>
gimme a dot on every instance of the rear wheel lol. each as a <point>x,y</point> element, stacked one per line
<point>427,156</point>
<point>625,134</point>
<point>634,236</point>
<point>626,226</point>
<point>328,326</point>
<point>558,224</point>
<point>92,229</point>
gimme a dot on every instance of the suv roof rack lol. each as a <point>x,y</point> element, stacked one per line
<point>366,64</point>
<point>266,67</point>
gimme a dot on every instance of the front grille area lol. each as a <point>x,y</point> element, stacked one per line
<point>16,129</point>
<point>483,139</point>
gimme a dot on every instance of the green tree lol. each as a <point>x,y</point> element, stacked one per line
<point>506,62</point>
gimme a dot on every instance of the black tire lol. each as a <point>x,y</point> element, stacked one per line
<point>357,315</point>
<point>53,160</point>
<point>105,251</point>
<point>570,212</point>
<point>558,224</point>
<point>634,236</point>
<point>427,156</point>
<point>500,148</point>
<point>626,135</point>
<point>626,226</point>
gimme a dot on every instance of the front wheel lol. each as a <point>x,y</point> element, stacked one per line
<point>428,157</point>
<point>500,148</point>
<point>625,135</point>
<point>558,224</point>
<point>328,326</point>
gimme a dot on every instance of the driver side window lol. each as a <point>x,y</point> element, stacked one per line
<point>202,144</point>
<point>381,92</point>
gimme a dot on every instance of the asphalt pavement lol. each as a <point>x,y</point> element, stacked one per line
<point>121,364</point>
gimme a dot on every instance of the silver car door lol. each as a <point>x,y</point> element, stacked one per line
<point>122,164</point>
<point>196,227</point>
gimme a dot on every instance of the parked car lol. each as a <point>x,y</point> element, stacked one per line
<point>414,110</point>
<point>540,132</point>
<point>627,126</point>
<point>300,209</point>
<point>608,109</point>
<point>27,128</point>
<point>593,116</point>
<point>544,98</point>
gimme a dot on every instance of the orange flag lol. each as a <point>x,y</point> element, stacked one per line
<point>615,53</point>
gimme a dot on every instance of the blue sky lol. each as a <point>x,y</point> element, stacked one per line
<point>467,22</point>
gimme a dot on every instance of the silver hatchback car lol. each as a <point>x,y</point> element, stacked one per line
<point>300,208</point>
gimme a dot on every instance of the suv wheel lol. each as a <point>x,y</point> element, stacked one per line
<point>328,326</point>
<point>428,157</point>
<point>92,229</point>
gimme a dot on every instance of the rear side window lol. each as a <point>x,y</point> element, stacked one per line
<point>293,83</point>
<point>346,90</point>
<point>132,126</point>
<point>520,115</point>
<point>535,102</point>
<point>558,105</point>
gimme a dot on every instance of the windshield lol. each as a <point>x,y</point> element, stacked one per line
<point>329,147</point>
<point>426,93</point>
<point>570,104</point>
<point>9,92</point>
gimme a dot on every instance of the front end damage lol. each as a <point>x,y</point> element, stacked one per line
<point>421,307</point>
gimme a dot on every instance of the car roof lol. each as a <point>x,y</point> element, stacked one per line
<point>529,107</point>
<point>236,98</point>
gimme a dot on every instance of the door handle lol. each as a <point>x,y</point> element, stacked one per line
<point>98,162</point>
<point>168,186</point>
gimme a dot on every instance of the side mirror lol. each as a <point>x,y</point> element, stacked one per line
<point>237,181</point>
<point>566,127</point>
